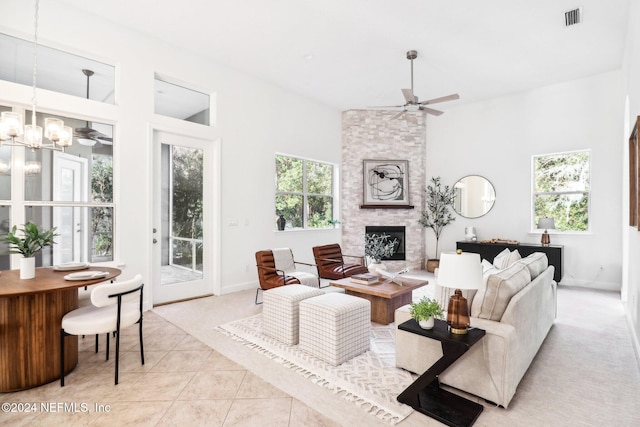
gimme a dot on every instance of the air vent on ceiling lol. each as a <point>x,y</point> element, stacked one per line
<point>573,17</point>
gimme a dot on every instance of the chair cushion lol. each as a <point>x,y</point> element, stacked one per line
<point>93,320</point>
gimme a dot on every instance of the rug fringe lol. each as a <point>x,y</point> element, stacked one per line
<point>364,404</point>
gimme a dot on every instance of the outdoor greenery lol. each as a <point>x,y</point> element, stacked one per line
<point>187,203</point>
<point>378,246</point>
<point>304,183</point>
<point>102,217</point>
<point>438,200</point>
<point>425,308</point>
<point>561,190</point>
<point>31,241</point>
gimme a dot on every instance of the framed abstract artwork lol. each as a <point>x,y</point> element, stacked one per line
<point>386,183</point>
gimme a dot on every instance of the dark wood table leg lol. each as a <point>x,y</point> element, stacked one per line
<point>426,396</point>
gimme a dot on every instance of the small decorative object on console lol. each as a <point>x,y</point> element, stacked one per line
<point>364,278</point>
<point>499,241</point>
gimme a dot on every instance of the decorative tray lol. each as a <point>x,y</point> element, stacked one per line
<point>86,275</point>
<point>70,266</point>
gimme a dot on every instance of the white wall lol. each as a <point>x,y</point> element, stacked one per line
<point>631,236</point>
<point>496,139</point>
<point>254,120</point>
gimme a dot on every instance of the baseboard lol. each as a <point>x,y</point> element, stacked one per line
<point>604,286</point>
<point>239,287</point>
<point>634,334</point>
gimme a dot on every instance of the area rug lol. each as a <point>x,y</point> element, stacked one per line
<point>371,381</point>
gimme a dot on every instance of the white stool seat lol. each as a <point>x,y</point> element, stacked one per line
<point>335,327</point>
<point>280,311</point>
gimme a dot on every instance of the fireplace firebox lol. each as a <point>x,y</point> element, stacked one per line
<point>396,232</point>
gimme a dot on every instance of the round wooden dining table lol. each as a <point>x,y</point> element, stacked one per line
<point>31,312</point>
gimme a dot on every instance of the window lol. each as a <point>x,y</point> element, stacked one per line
<point>179,102</point>
<point>58,71</point>
<point>561,189</point>
<point>70,190</point>
<point>304,192</point>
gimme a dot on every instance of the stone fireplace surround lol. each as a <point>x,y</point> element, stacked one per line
<point>377,135</point>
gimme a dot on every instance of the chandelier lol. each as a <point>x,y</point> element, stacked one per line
<point>12,129</point>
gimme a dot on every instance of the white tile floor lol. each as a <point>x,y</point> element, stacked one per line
<point>183,382</point>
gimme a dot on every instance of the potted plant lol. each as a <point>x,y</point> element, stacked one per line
<point>376,247</point>
<point>425,312</point>
<point>437,215</point>
<point>28,245</point>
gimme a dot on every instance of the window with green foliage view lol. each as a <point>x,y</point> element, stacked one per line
<point>561,189</point>
<point>304,192</point>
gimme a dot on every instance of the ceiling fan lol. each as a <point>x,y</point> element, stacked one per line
<point>412,103</point>
<point>87,135</point>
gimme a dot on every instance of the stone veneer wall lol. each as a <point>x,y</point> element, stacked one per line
<point>378,135</point>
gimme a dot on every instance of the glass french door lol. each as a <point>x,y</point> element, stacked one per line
<point>182,236</point>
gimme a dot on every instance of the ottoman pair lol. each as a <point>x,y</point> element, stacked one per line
<point>333,327</point>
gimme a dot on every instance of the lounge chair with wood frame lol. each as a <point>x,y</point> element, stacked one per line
<point>330,262</point>
<point>271,277</point>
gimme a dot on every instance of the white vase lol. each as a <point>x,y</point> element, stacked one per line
<point>27,268</point>
<point>427,324</point>
<point>374,267</point>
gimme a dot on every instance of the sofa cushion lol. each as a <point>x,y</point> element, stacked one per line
<point>505,258</point>
<point>537,262</point>
<point>500,288</point>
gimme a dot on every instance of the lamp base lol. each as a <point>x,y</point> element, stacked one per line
<point>458,331</point>
<point>546,239</point>
<point>458,313</point>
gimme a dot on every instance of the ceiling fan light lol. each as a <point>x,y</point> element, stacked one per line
<point>87,142</point>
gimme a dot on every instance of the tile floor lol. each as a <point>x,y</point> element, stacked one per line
<point>183,382</point>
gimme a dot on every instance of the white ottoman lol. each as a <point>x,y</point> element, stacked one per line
<point>280,311</point>
<point>335,327</point>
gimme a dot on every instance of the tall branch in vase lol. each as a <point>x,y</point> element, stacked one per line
<point>437,215</point>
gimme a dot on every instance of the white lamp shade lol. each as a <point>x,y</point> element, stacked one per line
<point>546,223</point>
<point>460,271</point>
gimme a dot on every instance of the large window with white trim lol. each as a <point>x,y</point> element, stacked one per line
<point>304,193</point>
<point>70,190</point>
<point>561,189</point>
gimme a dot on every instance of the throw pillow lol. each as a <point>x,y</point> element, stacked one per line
<point>537,262</point>
<point>501,287</point>
<point>487,270</point>
<point>501,260</point>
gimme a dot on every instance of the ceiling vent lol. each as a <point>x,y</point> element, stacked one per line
<point>573,17</point>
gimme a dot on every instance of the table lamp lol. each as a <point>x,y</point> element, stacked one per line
<point>546,224</point>
<point>459,270</point>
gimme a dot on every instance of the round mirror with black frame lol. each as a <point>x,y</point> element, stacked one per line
<point>475,196</point>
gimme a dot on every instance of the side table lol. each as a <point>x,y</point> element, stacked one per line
<point>425,394</point>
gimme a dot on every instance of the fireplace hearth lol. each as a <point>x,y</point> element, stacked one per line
<point>396,232</point>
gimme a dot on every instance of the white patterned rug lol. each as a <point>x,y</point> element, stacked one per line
<point>370,380</point>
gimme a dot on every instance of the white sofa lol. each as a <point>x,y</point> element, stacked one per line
<point>493,368</point>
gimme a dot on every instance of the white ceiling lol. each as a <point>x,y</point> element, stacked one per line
<point>479,49</point>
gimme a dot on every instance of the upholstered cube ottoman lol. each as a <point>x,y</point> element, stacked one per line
<point>280,311</point>
<point>335,327</point>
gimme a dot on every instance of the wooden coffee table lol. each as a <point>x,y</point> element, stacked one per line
<point>385,296</point>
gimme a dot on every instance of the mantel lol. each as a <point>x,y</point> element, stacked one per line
<point>387,206</point>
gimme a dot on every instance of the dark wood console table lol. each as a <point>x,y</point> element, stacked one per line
<point>489,251</point>
<point>425,394</point>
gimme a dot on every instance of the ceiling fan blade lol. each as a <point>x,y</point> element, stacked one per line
<point>386,106</point>
<point>441,99</point>
<point>431,111</point>
<point>398,115</point>
<point>409,96</point>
